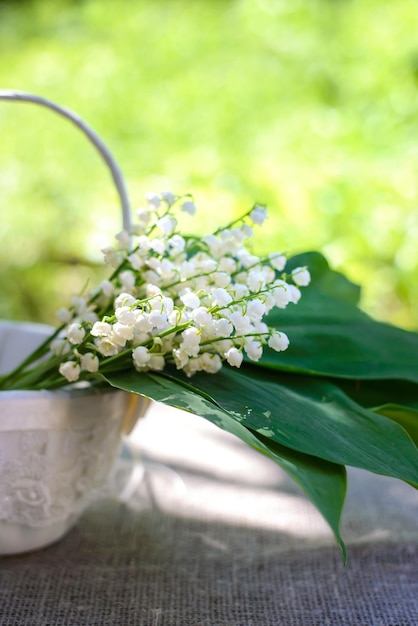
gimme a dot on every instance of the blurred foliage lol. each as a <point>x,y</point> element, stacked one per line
<point>309,106</point>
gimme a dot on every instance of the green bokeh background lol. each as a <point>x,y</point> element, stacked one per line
<point>308,106</point>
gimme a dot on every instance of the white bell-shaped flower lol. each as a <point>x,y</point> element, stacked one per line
<point>234,357</point>
<point>221,297</point>
<point>254,350</point>
<point>141,356</point>
<point>278,261</point>
<point>190,300</point>
<point>89,362</point>
<point>278,341</point>
<point>301,276</point>
<point>201,316</point>
<point>70,370</point>
<point>258,215</point>
<point>75,333</point>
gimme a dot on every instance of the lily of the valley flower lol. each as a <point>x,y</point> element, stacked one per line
<point>195,303</point>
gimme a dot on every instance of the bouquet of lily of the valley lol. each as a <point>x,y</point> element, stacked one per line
<point>271,349</point>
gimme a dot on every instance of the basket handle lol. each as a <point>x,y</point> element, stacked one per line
<point>20,96</point>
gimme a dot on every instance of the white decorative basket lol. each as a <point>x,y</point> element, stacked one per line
<point>56,447</point>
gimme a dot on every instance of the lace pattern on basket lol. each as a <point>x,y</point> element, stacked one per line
<point>56,473</point>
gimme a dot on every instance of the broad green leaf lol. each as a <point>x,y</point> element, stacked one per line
<point>373,393</point>
<point>395,399</point>
<point>310,415</point>
<point>323,482</point>
<point>324,279</point>
<point>331,337</point>
<point>407,417</point>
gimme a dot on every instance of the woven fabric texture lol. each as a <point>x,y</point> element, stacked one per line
<point>213,534</point>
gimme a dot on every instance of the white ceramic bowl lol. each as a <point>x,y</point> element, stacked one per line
<point>56,448</point>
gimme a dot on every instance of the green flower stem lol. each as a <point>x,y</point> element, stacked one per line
<point>236,221</point>
<point>232,337</point>
<point>117,358</point>
<point>7,381</point>
<point>216,308</point>
<point>259,261</point>
<point>52,382</point>
<point>28,379</point>
<point>186,280</point>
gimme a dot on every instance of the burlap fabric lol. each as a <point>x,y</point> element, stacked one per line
<point>216,535</point>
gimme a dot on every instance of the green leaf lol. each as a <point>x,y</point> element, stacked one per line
<point>407,417</point>
<point>310,415</point>
<point>324,279</point>
<point>395,399</point>
<point>290,418</point>
<point>373,393</point>
<point>332,337</point>
<point>323,482</point>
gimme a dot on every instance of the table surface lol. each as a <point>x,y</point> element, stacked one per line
<point>207,532</point>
